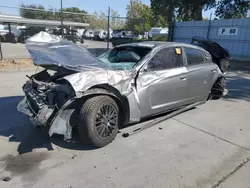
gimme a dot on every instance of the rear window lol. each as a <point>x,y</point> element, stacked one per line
<point>194,56</point>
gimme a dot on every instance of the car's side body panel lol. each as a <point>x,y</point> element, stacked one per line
<point>160,91</point>
<point>200,81</point>
<point>163,90</point>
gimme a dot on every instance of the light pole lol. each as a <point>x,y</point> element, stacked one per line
<point>61,19</point>
<point>108,27</point>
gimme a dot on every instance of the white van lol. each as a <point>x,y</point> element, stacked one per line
<point>89,34</point>
<point>100,34</point>
<point>158,31</point>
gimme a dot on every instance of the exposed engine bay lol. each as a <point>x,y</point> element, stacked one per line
<point>46,93</point>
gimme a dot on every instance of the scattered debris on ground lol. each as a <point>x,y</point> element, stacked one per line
<point>6,178</point>
<point>125,135</point>
<point>16,63</point>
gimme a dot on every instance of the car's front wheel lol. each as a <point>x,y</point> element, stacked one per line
<point>99,118</point>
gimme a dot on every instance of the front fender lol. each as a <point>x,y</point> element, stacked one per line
<point>61,122</point>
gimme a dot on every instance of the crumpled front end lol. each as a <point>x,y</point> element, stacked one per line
<point>35,106</point>
<point>46,99</point>
<point>50,99</point>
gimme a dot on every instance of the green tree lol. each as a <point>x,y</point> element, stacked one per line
<point>227,9</point>
<point>74,14</point>
<point>116,21</point>
<point>192,9</point>
<point>181,10</point>
<point>35,14</point>
<point>99,20</point>
<point>139,17</point>
<point>165,8</point>
<point>71,14</point>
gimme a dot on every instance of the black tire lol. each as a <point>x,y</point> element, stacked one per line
<point>218,88</point>
<point>87,127</point>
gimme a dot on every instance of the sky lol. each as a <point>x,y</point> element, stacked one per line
<point>88,5</point>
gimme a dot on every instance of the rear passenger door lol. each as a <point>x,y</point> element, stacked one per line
<point>199,74</point>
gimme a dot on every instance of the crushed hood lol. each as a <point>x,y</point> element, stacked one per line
<point>49,50</point>
<point>52,51</point>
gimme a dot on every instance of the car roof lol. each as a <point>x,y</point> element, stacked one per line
<point>154,44</point>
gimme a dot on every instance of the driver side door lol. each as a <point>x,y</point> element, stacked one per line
<point>162,84</point>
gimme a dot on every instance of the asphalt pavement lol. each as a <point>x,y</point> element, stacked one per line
<point>205,147</point>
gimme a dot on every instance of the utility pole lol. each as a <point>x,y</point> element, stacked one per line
<point>1,52</point>
<point>209,26</point>
<point>62,19</point>
<point>108,28</point>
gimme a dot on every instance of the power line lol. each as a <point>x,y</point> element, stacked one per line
<point>43,10</point>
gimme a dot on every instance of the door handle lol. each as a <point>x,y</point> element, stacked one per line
<point>213,71</point>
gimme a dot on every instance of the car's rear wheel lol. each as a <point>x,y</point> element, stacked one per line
<point>218,89</point>
<point>99,119</point>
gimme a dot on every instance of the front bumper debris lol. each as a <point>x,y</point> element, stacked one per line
<point>58,121</point>
<point>23,107</point>
<point>37,119</point>
<point>34,106</point>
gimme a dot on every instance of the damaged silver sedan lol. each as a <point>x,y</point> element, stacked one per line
<point>101,94</point>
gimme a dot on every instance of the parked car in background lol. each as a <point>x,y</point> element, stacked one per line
<point>100,34</point>
<point>74,36</point>
<point>123,34</point>
<point>7,36</point>
<point>99,95</point>
<point>158,32</point>
<point>80,32</point>
<point>88,34</point>
<point>3,32</point>
<point>28,32</point>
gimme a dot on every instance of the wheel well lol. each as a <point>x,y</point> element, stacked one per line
<point>121,100</point>
<point>218,80</point>
<point>218,86</point>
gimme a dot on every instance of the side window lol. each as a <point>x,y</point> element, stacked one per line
<point>167,58</point>
<point>194,57</point>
